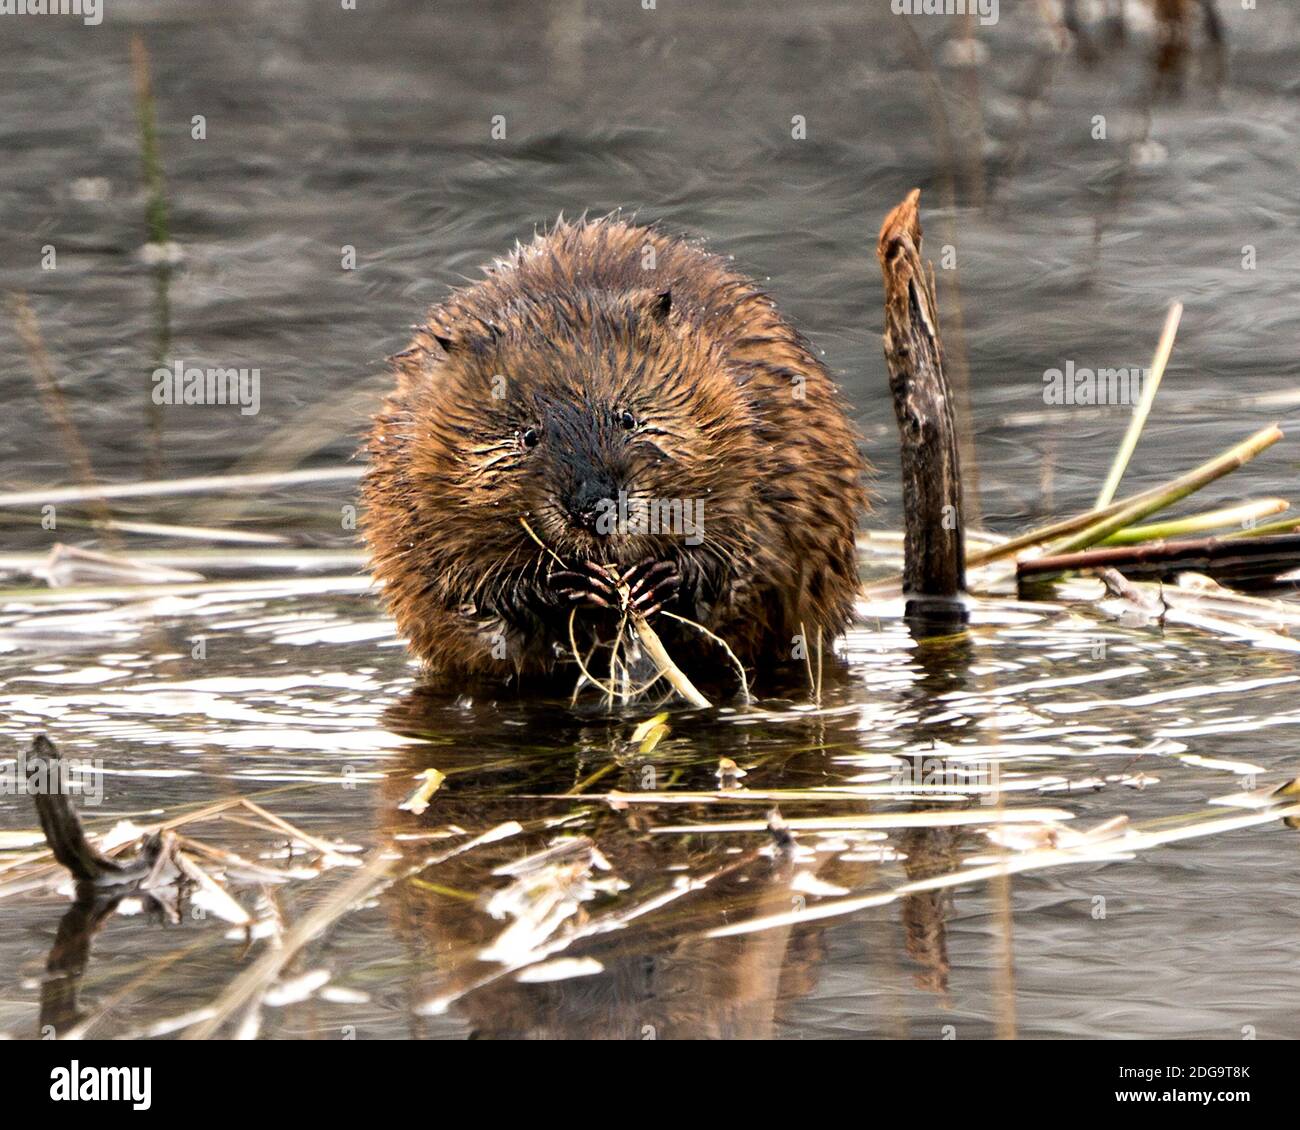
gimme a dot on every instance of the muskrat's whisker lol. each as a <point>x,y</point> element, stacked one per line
<point>485,584</point>
<point>539,562</point>
<point>727,554</point>
<point>532,534</point>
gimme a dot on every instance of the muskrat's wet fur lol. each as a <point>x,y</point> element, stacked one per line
<point>605,356</point>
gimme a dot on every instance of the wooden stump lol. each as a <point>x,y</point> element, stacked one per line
<point>934,566</point>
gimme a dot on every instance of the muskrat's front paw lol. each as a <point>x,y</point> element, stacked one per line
<point>593,586</point>
<point>652,584</point>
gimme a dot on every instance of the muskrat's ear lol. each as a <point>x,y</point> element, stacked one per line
<point>485,334</point>
<point>655,303</point>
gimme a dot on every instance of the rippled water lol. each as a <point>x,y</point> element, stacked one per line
<point>370,129</point>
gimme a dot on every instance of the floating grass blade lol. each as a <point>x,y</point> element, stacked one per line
<point>1089,850</point>
<point>280,586</point>
<point>259,561</point>
<point>202,484</point>
<point>155,529</point>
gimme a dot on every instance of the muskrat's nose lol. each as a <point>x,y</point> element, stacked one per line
<point>584,501</point>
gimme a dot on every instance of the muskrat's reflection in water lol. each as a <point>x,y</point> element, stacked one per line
<point>659,974</point>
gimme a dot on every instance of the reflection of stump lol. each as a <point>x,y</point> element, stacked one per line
<point>943,667</point>
<point>934,549</point>
<point>67,961</point>
<point>930,852</point>
<point>926,940</point>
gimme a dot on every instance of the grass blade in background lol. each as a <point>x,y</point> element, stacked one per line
<point>1222,519</point>
<point>1143,408</point>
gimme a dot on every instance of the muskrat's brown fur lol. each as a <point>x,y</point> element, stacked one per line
<point>607,356</point>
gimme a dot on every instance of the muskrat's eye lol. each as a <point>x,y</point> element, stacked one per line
<point>529,437</point>
<point>628,421</point>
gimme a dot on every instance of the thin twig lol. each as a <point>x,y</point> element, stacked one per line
<point>1254,557</point>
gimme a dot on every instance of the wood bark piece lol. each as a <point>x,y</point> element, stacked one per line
<point>1246,558</point>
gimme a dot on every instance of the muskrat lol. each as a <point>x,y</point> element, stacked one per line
<point>602,376</point>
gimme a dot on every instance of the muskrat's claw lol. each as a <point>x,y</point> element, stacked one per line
<point>593,587</point>
<point>652,569</point>
<point>655,586</point>
<point>655,583</point>
<point>601,575</point>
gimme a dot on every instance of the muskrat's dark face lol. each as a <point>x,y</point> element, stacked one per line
<point>609,430</point>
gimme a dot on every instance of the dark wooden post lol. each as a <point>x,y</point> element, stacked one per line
<point>934,567</point>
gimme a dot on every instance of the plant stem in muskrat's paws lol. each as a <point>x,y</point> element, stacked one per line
<point>595,585</point>
<point>639,598</point>
<point>652,581</point>
<point>650,640</point>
